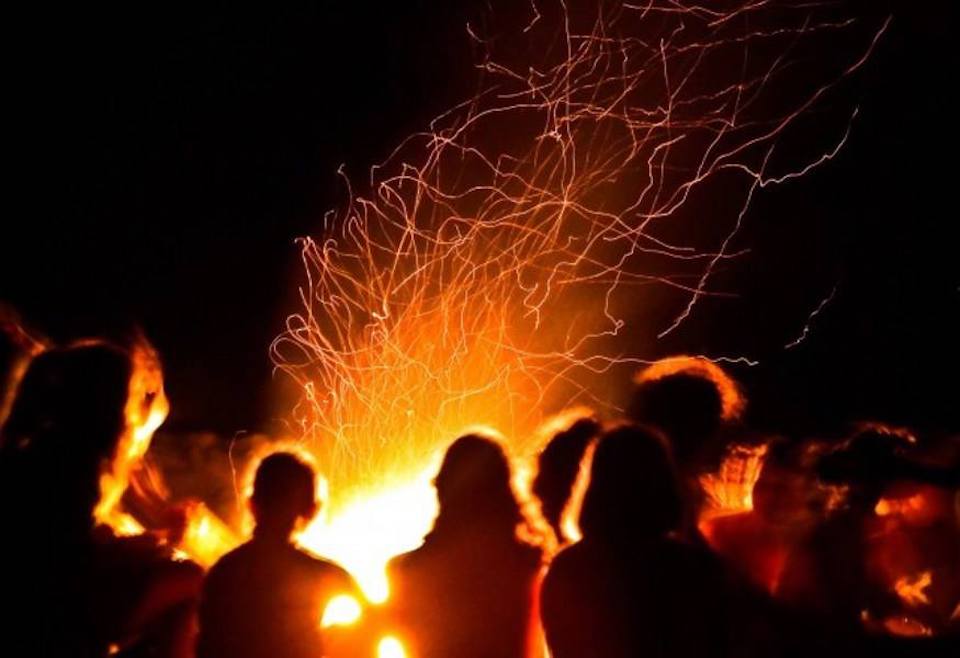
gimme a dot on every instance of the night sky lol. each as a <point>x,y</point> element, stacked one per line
<point>164,161</point>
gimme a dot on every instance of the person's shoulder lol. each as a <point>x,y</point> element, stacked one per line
<point>570,558</point>
<point>694,559</point>
<point>327,571</point>
<point>406,561</point>
<point>231,561</point>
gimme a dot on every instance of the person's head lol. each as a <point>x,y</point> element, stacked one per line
<point>284,493</point>
<point>79,390</point>
<point>866,463</point>
<point>633,491</point>
<point>473,487</point>
<point>558,466</point>
<point>688,398</point>
<point>781,493</point>
<point>66,423</point>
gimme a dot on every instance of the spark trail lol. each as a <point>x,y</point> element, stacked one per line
<point>493,267</point>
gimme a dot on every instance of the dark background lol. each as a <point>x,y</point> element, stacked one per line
<point>165,160</point>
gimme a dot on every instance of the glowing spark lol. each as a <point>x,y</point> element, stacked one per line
<point>494,267</point>
<point>806,327</point>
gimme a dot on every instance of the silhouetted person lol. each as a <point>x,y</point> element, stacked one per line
<point>557,469</point>
<point>756,543</point>
<point>468,591</point>
<point>692,401</point>
<point>78,588</point>
<point>826,576</point>
<point>686,406</point>
<point>266,598</point>
<point>629,588</point>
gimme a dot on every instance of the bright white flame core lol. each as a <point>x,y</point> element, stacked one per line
<point>389,520</point>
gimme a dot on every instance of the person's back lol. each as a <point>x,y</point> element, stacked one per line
<point>658,599</point>
<point>267,597</point>
<point>79,589</point>
<point>466,598</point>
<point>468,591</point>
<point>628,588</point>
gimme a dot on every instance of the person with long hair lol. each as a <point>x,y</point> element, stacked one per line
<point>76,588</point>
<point>630,587</point>
<point>468,591</point>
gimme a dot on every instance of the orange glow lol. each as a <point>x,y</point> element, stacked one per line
<point>206,537</point>
<point>145,411</point>
<point>731,398</point>
<point>28,346</point>
<point>390,647</point>
<point>730,489</point>
<point>916,506</point>
<point>485,272</point>
<point>912,590</point>
<point>368,531</point>
<point>570,517</point>
<point>342,610</point>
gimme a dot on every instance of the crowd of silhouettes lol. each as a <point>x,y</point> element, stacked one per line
<point>847,547</point>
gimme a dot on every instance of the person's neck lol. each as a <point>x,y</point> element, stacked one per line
<point>272,535</point>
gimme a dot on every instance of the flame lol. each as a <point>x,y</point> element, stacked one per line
<point>390,647</point>
<point>488,272</point>
<point>730,489</point>
<point>909,506</point>
<point>342,610</point>
<point>206,538</point>
<point>367,532</point>
<point>146,409</point>
<point>912,589</point>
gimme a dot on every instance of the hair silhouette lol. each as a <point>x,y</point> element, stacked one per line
<point>632,472</point>
<point>284,491</point>
<point>558,466</point>
<point>630,587</point>
<point>473,488</point>
<point>468,591</point>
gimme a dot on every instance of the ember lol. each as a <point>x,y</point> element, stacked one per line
<point>482,449</point>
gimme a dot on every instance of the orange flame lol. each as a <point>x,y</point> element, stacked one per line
<point>486,275</point>
<point>147,407</point>
<point>730,489</point>
<point>912,589</point>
